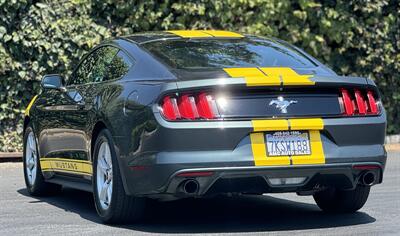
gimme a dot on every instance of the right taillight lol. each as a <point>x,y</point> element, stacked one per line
<point>358,102</point>
<point>372,105</point>
<point>192,106</point>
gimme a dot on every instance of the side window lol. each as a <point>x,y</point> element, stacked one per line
<point>94,66</point>
<point>118,67</point>
<point>80,75</point>
<point>105,57</point>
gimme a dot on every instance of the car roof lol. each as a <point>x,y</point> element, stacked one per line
<point>146,37</point>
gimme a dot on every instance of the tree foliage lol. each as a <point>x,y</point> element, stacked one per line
<point>357,37</point>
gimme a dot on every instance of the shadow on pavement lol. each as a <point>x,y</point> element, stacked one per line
<point>222,214</point>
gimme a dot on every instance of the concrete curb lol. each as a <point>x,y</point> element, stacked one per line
<point>392,139</point>
<point>10,156</point>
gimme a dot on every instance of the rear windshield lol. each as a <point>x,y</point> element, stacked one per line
<point>225,53</point>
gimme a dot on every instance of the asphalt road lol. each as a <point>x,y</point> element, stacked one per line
<point>72,212</point>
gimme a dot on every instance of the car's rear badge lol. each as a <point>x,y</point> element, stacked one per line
<point>282,104</point>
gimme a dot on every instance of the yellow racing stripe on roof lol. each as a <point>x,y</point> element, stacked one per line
<point>223,33</point>
<point>190,33</point>
<point>205,33</point>
<point>28,108</point>
<point>287,75</point>
<point>253,76</point>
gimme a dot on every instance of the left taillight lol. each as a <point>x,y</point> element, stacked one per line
<point>194,106</point>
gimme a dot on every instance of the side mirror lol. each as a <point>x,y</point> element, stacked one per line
<point>53,81</point>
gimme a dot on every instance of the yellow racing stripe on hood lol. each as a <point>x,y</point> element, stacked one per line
<point>28,108</point>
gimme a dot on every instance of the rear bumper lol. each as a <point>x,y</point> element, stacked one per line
<point>151,164</point>
<point>264,179</point>
<point>164,179</point>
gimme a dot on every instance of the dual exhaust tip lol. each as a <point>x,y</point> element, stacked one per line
<point>368,178</point>
<point>190,186</point>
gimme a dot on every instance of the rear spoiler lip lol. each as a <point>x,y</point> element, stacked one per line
<point>320,81</point>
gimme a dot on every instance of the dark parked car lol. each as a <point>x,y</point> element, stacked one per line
<point>176,114</point>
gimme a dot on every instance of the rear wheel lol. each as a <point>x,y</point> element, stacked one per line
<point>345,201</point>
<point>112,203</point>
<point>34,179</point>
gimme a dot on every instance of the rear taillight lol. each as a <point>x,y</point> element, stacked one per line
<point>189,107</point>
<point>358,102</point>
<point>372,107</point>
<point>347,102</point>
<point>170,108</point>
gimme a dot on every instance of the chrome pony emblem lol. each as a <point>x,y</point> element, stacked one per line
<point>282,104</point>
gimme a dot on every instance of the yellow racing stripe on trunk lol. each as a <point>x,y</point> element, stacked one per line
<point>287,75</point>
<point>28,108</point>
<point>253,76</point>
<point>269,76</point>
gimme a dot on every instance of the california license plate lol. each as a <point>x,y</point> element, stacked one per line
<point>288,143</point>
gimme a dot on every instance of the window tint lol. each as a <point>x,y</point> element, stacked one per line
<point>105,56</point>
<point>80,74</point>
<point>94,66</point>
<point>223,53</point>
<point>119,66</point>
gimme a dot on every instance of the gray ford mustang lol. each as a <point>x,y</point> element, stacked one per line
<point>176,114</point>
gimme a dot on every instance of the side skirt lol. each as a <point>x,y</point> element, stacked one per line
<point>72,182</point>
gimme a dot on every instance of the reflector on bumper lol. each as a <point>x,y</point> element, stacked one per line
<point>286,181</point>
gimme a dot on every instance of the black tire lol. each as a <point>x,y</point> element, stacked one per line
<point>342,201</point>
<point>39,187</point>
<point>122,208</point>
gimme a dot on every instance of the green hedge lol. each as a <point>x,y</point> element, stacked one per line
<point>37,37</point>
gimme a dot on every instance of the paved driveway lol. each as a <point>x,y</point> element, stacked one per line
<point>73,213</point>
